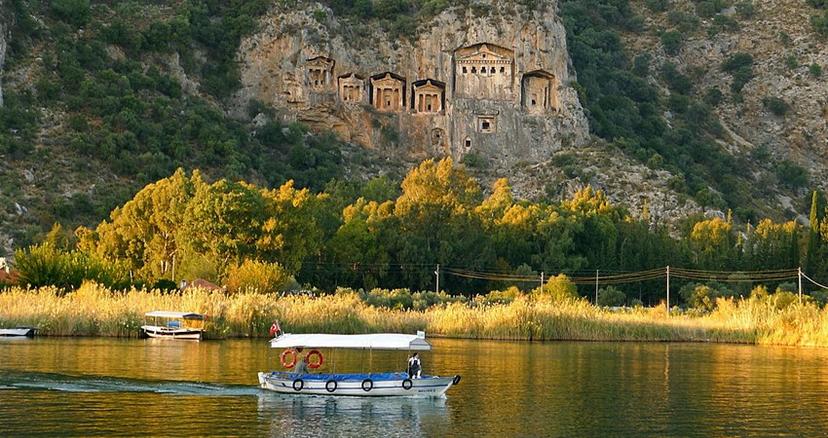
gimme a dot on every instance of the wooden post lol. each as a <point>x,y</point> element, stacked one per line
<point>668,290</point>
<point>799,275</point>
<point>596,287</point>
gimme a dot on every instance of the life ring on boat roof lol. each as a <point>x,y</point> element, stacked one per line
<point>315,364</point>
<point>298,384</point>
<point>288,358</point>
<point>407,384</point>
<point>330,385</point>
<point>367,385</point>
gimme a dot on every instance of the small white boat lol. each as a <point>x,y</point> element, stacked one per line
<point>174,325</point>
<point>18,331</point>
<point>388,384</point>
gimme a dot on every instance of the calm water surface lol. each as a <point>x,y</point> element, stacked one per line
<point>85,387</point>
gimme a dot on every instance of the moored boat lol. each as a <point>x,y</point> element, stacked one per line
<point>388,384</point>
<point>18,331</point>
<point>174,325</point>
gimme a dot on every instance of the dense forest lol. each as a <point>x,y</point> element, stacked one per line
<point>379,234</point>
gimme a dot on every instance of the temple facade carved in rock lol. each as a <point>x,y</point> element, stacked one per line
<point>508,102</point>
<point>484,71</point>
<point>351,87</point>
<point>388,92</point>
<point>319,73</point>
<point>429,96</point>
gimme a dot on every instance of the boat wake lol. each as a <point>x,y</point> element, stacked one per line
<point>70,383</point>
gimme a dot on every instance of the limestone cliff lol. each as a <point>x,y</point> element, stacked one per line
<point>496,85</point>
<point>785,49</point>
<point>3,43</point>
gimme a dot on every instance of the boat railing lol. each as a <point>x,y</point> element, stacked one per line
<point>339,377</point>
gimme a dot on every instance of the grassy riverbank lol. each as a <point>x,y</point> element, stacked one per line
<point>93,310</point>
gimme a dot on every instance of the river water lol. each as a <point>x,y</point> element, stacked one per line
<point>107,387</point>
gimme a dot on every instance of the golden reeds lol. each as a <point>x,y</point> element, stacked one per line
<point>93,310</point>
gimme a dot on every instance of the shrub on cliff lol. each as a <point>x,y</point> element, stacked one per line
<point>74,12</point>
<point>776,105</point>
<point>740,65</point>
<point>792,174</point>
<point>820,24</point>
<point>672,42</point>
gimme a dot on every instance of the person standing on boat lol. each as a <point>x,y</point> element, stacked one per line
<point>414,367</point>
<point>302,365</point>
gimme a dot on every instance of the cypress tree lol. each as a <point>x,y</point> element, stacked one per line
<point>816,215</point>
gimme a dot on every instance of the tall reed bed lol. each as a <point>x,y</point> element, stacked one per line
<point>93,310</point>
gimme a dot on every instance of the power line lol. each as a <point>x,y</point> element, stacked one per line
<point>611,278</point>
<point>639,276</point>
<point>814,282</point>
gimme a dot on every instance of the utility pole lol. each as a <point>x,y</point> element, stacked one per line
<point>596,287</point>
<point>799,275</point>
<point>668,290</point>
<point>437,274</point>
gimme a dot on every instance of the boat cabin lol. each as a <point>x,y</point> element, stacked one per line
<point>173,325</point>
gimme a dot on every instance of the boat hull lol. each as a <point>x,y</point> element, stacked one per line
<point>18,331</point>
<point>161,332</point>
<point>355,385</point>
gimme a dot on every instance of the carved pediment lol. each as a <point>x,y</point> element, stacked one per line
<point>320,62</point>
<point>539,74</point>
<point>387,79</point>
<point>429,85</point>
<point>484,52</point>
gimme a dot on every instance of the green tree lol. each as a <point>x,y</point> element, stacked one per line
<point>257,276</point>
<point>713,243</point>
<point>611,297</point>
<point>75,12</point>
<point>437,224</point>
<point>146,233</point>
<point>559,288</point>
<point>362,246</point>
<point>814,243</point>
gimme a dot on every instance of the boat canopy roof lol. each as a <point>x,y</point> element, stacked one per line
<point>379,341</point>
<point>178,315</point>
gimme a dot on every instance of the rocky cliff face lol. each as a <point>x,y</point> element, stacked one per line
<point>779,37</point>
<point>3,44</point>
<point>497,86</point>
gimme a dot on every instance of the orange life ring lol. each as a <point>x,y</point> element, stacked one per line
<point>314,364</point>
<point>288,363</point>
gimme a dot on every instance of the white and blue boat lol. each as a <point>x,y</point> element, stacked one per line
<point>18,331</point>
<point>173,325</point>
<point>382,384</point>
